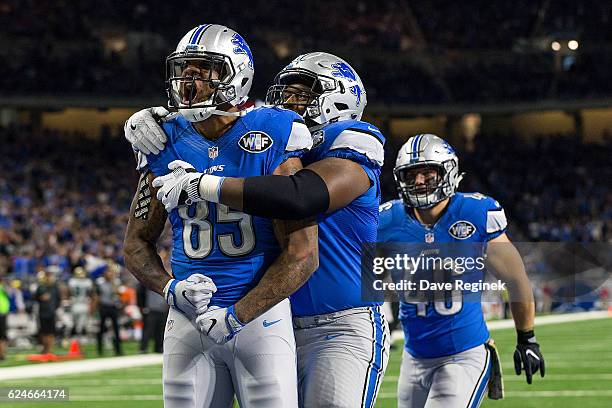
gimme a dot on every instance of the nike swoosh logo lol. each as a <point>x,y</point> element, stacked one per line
<point>187,299</point>
<point>268,324</point>
<point>132,126</point>
<point>373,129</point>
<point>332,336</point>
<point>214,321</point>
<point>532,354</point>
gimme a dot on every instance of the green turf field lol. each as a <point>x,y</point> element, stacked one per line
<point>578,357</point>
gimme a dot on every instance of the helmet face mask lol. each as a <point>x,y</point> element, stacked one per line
<point>199,80</point>
<point>425,184</point>
<point>297,90</point>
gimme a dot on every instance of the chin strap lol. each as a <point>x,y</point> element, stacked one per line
<point>459,178</point>
<point>226,113</point>
<point>201,114</point>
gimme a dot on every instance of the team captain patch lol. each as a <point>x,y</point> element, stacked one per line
<point>255,142</point>
<point>462,229</point>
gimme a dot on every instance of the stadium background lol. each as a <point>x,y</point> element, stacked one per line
<point>522,89</point>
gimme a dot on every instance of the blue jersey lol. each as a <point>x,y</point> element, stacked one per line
<point>443,328</point>
<point>232,248</point>
<point>336,285</point>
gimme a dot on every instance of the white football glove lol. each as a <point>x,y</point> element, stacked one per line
<point>220,325</point>
<point>143,131</point>
<point>184,185</point>
<point>182,180</point>
<point>190,296</point>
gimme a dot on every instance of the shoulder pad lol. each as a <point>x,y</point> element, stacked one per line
<point>363,141</point>
<point>487,211</point>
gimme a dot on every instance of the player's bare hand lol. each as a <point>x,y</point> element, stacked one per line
<point>143,131</point>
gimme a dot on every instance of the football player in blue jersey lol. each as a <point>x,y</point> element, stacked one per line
<point>446,362</point>
<point>242,267</point>
<point>342,340</point>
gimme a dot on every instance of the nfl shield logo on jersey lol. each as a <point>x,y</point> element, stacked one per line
<point>429,237</point>
<point>462,229</point>
<point>213,152</point>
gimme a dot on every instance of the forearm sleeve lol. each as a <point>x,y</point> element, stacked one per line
<point>296,197</point>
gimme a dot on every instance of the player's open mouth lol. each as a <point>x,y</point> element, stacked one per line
<point>190,93</point>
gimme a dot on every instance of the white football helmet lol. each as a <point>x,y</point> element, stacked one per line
<point>436,161</point>
<point>212,55</point>
<point>326,88</point>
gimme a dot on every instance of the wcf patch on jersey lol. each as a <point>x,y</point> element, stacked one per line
<point>462,229</point>
<point>255,142</point>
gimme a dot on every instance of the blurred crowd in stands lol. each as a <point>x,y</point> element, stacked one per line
<point>64,203</point>
<point>441,51</point>
<point>552,188</point>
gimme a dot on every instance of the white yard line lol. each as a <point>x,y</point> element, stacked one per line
<point>81,366</point>
<point>552,319</point>
<point>539,321</point>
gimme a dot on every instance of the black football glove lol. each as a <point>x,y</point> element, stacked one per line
<point>527,355</point>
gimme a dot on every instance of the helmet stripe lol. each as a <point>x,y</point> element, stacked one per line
<point>418,146</point>
<point>415,146</point>
<point>193,34</point>
<point>198,34</point>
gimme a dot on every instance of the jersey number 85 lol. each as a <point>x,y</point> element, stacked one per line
<point>204,231</point>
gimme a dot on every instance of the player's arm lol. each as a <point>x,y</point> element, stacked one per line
<point>508,266</point>
<point>321,187</point>
<point>298,260</point>
<point>324,186</point>
<point>145,226</point>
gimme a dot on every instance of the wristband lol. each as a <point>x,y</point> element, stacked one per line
<point>525,337</point>
<point>209,187</point>
<point>232,320</point>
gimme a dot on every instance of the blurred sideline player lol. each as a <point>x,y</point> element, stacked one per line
<point>81,289</point>
<point>342,341</point>
<point>208,80</point>
<point>445,361</point>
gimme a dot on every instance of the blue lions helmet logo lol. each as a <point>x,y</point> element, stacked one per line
<point>449,148</point>
<point>356,90</point>
<point>241,47</point>
<point>343,70</point>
